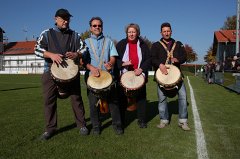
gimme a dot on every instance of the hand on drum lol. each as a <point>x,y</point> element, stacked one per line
<point>174,60</point>
<point>57,58</point>
<point>163,69</point>
<point>71,55</point>
<point>95,72</point>
<point>138,71</point>
<point>108,65</point>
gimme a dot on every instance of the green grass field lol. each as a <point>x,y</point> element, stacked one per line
<point>22,122</point>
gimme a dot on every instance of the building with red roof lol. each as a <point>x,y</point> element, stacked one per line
<point>19,57</point>
<point>224,44</point>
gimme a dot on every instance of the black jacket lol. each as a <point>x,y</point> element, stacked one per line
<point>145,64</point>
<point>159,54</point>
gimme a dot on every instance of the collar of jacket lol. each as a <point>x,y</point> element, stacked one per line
<point>140,40</point>
<point>171,39</point>
<point>58,30</point>
<point>97,38</point>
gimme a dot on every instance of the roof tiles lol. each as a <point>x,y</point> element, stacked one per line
<point>19,48</point>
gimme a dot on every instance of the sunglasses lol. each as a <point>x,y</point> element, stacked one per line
<point>96,26</point>
<point>64,19</point>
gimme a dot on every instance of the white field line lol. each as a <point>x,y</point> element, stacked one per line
<point>29,83</point>
<point>200,139</point>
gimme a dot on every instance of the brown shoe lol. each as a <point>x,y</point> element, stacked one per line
<point>184,126</point>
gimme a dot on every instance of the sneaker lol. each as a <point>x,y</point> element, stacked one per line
<point>162,125</point>
<point>118,130</point>
<point>142,124</point>
<point>184,126</point>
<point>46,135</point>
<point>96,131</point>
<point>83,130</point>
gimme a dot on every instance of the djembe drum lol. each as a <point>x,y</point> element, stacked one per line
<point>131,85</point>
<point>169,83</point>
<point>100,87</point>
<point>170,80</point>
<point>64,74</point>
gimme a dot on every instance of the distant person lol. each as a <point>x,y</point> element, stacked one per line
<point>134,55</point>
<point>210,73</point>
<point>102,57</point>
<point>237,65</point>
<point>233,63</point>
<point>165,51</point>
<point>214,70</point>
<point>205,71</point>
<point>54,45</point>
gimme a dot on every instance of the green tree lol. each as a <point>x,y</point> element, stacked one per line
<point>85,34</point>
<point>147,41</point>
<point>230,23</point>
<point>191,54</point>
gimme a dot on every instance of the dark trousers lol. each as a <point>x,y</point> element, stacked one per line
<point>141,103</point>
<point>113,105</point>
<point>50,93</point>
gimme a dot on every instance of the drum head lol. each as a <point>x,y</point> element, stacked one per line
<point>66,71</point>
<point>132,82</point>
<point>103,81</point>
<point>171,78</point>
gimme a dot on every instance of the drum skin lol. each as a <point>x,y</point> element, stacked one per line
<point>65,72</point>
<point>171,80</point>
<point>63,75</point>
<point>101,82</point>
<point>131,83</point>
<point>100,86</point>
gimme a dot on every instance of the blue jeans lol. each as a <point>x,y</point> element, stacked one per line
<point>182,104</point>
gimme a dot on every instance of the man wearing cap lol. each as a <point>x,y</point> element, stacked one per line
<point>54,45</point>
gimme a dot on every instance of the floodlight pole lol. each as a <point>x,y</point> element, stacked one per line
<point>237,28</point>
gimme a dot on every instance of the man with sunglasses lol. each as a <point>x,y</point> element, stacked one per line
<point>54,45</point>
<point>102,53</point>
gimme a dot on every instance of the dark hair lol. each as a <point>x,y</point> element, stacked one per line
<point>166,24</point>
<point>95,18</point>
<point>238,54</point>
<point>133,25</point>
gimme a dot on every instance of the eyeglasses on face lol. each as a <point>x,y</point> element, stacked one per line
<point>97,26</point>
<point>131,32</point>
<point>63,19</point>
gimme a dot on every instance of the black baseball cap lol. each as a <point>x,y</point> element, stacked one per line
<point>63,13</point>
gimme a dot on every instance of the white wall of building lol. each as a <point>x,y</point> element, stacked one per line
<point>22,64</point>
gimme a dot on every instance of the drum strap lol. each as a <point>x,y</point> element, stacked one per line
<point>95,54</point>
<point>169,53</point>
